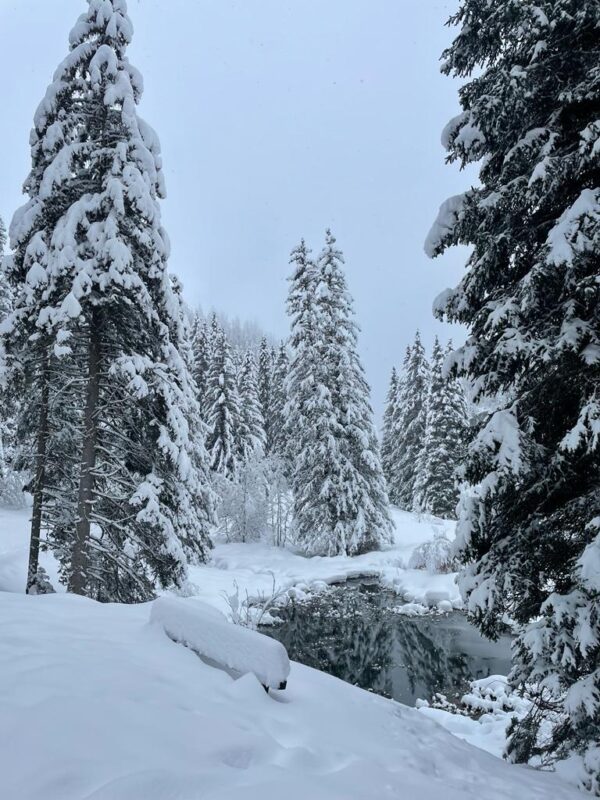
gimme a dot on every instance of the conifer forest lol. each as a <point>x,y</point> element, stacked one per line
<point>280,515</point>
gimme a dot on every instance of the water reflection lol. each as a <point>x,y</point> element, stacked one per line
<point>351,633</point>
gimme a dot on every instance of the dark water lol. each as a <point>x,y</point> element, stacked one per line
<point>350,632</point>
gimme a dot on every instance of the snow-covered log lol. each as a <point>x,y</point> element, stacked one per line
<point>207,632</point>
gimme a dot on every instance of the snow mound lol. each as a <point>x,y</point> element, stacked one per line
<point>206,631</point>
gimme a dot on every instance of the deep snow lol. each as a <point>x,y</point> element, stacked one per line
<point>256,570</point>
<point>98,703</point>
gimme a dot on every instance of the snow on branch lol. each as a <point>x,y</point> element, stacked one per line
<point>448,215</point>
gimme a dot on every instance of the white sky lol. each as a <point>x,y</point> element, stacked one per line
<point>278,118</point>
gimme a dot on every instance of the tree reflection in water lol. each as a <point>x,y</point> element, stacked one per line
<point>350,632</point>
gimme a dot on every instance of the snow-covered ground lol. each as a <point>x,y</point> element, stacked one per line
<point>494,705</point>
<point>256,570</point>
<point>97,703</point>
<point>259,569</point>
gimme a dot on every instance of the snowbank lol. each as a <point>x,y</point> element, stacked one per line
<point>207,632</point>
<point>97,703</point>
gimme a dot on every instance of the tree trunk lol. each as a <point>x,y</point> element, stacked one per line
<point>40,479</point>
<point>80,556</point>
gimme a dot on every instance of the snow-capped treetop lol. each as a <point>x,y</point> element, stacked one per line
<point>89,141</point>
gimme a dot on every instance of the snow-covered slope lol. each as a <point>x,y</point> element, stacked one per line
<point>96,703</point>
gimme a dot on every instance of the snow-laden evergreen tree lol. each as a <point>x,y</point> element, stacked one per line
<point>222,409</point>
<point>265,376</point>
<point>200,339</point>
<point>361,501</point>
<point>11,481</point>
<point>6,298</point>
<point>529,526</point>
<point>278,402</point>
<point>310,425</point>
<point>409,425</point>
<point>392,433</point>
<point>387,437</point>
<point>250,434</point>
<point>98,325</point>
<point>341,504</point>
<point>443,451</point>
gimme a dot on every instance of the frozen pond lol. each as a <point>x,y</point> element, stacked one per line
<point>352,633</point>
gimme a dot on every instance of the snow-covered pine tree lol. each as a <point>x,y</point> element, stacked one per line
<point>92,289</point>
<point>278,401</point>
<point>358,499</point>
<point>11,482</point>
<point>387,437</point>
<point>443,451</point>
<point>5,289</point>
<point>250,434</point>
<point>222,408</point>
<point>529,526</point>
<point>201,357</point>
<point>410,423</point>
<point>311,433</point>
<point>392,439</point>
<point>339,491</point>
<point>265,376</point>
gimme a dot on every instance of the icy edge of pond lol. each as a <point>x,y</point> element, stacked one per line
<point>262,609</point>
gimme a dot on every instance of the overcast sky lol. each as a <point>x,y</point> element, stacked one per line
<point>278,119</point>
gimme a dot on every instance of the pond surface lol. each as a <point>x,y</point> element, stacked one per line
<point>351,632</point>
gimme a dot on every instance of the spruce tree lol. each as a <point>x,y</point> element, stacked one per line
<point>310,426</point>
<point>11,483</point>
<point>265,377</point>
<point>442,454</point>
<point>392,433</point>
<point>223,409</point>
<point>5,289</point>
<point>410,424</point>
<point>278,401</point>
<point>387,438</point>
<point>339,490</point>
<point>200,340</point>
<point>529,527</point>
<point>94,302</point>
<point>250,434</point>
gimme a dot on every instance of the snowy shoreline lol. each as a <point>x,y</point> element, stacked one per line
<point>258,571</point>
